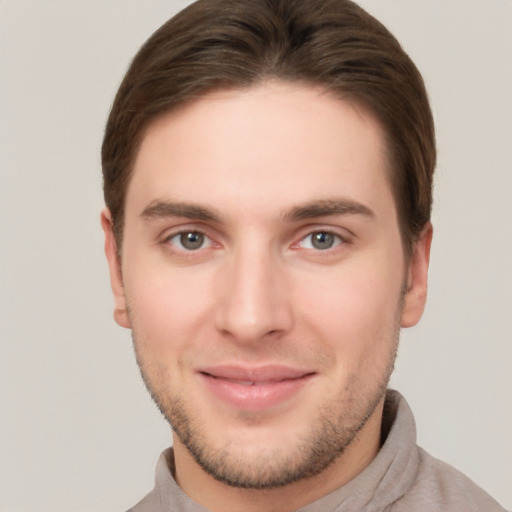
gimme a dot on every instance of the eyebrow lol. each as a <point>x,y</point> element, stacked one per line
<point>321,208</point>
<point>327,207</point>
<point>168,209</point>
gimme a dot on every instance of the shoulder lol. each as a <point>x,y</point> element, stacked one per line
<point>440,487</point>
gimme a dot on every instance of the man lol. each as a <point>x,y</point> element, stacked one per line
<point>268,180</point>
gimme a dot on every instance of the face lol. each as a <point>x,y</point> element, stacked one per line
<point>264,279</point>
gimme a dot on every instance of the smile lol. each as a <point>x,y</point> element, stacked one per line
<point>254,389</point>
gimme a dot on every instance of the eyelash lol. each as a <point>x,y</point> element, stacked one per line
<point>324,233</point>
<point>206,239</point>
<point>337,240</point>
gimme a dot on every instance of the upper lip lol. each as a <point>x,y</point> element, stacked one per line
<point>267,373</point>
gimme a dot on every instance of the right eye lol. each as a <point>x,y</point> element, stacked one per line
<point>189,241</point>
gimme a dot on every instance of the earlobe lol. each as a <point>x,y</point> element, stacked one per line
<point>417,276</point>
<point>114,264</point>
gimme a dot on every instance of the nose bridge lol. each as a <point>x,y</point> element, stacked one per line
<point>255,302</point>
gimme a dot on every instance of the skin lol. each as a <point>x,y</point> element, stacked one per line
<point>253,176</point>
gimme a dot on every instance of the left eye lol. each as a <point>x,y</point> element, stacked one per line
<point>190,240</point>
<point>320,240</point>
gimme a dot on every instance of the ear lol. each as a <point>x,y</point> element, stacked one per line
<point>116,278</point>
<point>417,273</point>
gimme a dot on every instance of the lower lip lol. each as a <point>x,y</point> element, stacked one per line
<point>255,397</point>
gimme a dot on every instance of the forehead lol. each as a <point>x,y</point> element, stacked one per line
<point>275,145</point>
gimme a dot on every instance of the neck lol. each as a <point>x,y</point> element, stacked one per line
<point>219,497</point>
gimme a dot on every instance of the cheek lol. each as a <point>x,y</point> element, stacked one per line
<point>356,307</point>
<point>166,307</point>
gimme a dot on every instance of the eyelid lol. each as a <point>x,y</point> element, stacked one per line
<point>207,241</point>
<point>344,235</point>
<point>176,231</point>
<point>338,240</point>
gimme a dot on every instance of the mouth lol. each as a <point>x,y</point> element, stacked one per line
<point>255,389</point>
<point>248,382</point>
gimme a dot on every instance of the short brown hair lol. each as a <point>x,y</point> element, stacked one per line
<point>215,44</point>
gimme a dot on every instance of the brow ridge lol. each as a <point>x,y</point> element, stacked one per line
<point>168,209</point>
<point>327,207</point>
<point>319,208</point>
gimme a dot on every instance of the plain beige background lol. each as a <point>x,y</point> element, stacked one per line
<point>77,429</point>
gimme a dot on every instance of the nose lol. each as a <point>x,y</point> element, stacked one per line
<point>255,300</point>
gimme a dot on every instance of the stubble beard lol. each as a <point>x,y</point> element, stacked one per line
<point>327,438</point>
